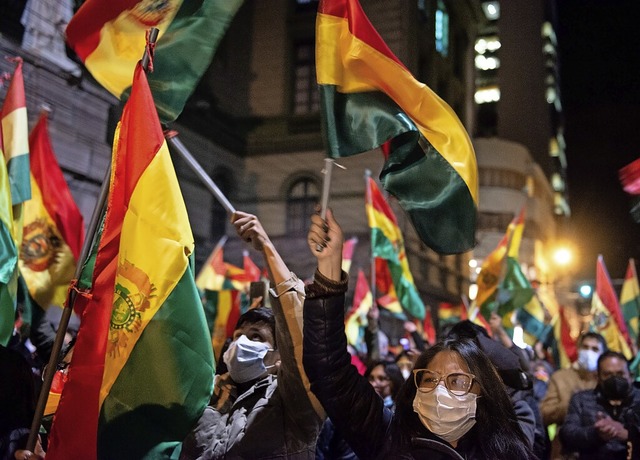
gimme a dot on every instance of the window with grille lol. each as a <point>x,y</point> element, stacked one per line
<point>306,98</point>
<point>301,200</point>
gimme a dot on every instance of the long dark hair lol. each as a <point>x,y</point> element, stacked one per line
<point>496,433</point>
<point>393,374</point>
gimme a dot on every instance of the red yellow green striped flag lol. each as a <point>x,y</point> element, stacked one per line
<point>53,226</point>
<point>15,189</point>
<point>142,368</point>
<point>630,300</point>
<point>14,137</point>
<point>387,243</point>
<point>107,35</point>
<point>356,317</point>
<point>607,316</point>
<point>565,350</point>
<point>348,248</point>
<point>8,259</point>
<point>368,98</point>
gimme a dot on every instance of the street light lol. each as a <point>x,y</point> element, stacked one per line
<point>563,256</point>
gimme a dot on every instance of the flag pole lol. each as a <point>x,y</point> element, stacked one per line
<point>372,260</point>
<point>96,217</point>
<point>178,147</point>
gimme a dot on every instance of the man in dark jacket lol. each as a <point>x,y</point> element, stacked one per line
<point>598,422</point>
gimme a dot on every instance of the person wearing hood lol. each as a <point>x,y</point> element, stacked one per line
<point>599,421</point>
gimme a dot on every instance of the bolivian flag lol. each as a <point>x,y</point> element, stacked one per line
<point>53,226</point>
<point>368,97</point>
<point>8,260</point>
<point>108,36</point>
<point>630,300</point>
<point>607,316</point>
<point>142,368</point>
<point>564,347</point>
<point>387,243</point>
<point>356,318</point>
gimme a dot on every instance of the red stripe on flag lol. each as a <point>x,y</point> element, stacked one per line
<point>234,313</point>
<point>14,98</point>
<point>83,31</point>
<point>379,203</point>
<point>56,196</point>
<point>604,289</point>
<point>569,345</point>
<point>359,24</point>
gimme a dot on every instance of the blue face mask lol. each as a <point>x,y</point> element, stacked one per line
<point>245,359</point>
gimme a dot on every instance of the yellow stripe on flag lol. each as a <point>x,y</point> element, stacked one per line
<point>17,143</point>
<point>406,91</point>
<point>154,254</point>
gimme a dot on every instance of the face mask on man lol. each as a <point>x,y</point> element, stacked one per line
<point>615,388</point>
<point>445,415</point>
<point>588,360</point>
<point>245,359</point>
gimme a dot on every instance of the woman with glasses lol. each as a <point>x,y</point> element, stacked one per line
<point>455,406</point>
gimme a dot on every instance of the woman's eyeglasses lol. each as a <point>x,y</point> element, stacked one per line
<point>458,383</point>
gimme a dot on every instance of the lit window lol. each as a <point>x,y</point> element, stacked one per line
<point>487,94</point>
<point>487,44</point>
<point>487,63</point>
<point>306,98</point>
<point>491,10</point>
<point>301,200</point>
<point>442,29</point>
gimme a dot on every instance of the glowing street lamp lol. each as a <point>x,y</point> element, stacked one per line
<point>562,256</point>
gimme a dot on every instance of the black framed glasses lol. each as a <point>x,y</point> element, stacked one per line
<point>458,383</point>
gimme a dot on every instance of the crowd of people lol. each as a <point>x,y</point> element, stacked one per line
<point>289,386</point>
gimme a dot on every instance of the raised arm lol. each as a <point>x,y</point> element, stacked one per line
<point>348,398</point>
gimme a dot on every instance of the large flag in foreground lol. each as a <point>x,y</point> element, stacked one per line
<point>53,226</point>
<point>142,369</point>
<point>564,348</point>
<point>387,243</point>
<point>630,301</point>
<point>369,97</point>
<point>108,35</point>
<point>607,316</point>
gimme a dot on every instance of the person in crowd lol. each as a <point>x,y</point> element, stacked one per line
<point>455,405</point>
<point>598,421</point>
<point>262,407</point>
<point>17,405</point>
<point>541,371</point>
<point>386,379</point>
<point>565,382</point>
<point>509,361</point>
<point>406,360</point>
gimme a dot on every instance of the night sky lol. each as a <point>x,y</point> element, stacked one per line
<point>599,52</point>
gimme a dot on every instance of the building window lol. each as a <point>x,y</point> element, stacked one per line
<point>442,29</point>
<point>306,98</point>
<point>301,200</point>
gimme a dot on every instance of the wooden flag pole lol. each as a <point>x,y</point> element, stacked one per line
<point>50,368</point>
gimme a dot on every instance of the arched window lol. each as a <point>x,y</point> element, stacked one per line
<point>302,196</point>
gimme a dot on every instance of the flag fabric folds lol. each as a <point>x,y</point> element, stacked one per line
<point>348,248</point>
<point>142,368</point>
<point>8,260</point>
<point>53,226</point>
<point>108,36</point>
<point>449,313</point>
<point>564,348</point>
<point>369,97</point>
<point>356,317</point>
<point>630,177</point>
<point>607,316</point>
<point>387,243</point>
<point>14,136</point>
<point>15,189</point>
<point>630,301</point>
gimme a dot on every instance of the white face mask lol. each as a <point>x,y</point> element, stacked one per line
<point>446,415</point>
<point>406,373</point>
<point>245,359</point>
<point>588,360</point>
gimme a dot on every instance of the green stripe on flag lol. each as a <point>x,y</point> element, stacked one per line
<point>422,180</point>
<point>151,406</point>
<point>18,167</point>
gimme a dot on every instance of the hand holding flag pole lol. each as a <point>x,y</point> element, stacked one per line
<point>326,186</point>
